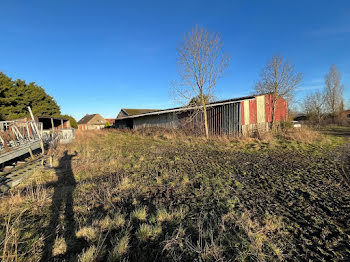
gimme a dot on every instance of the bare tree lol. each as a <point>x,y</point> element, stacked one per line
<point>280,79</point>
<point>201,63</point>
<point>314,105</point>
<point>347,105</point>
<point>334,92</point>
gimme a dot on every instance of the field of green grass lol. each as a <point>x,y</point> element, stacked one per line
<point>163,196</point>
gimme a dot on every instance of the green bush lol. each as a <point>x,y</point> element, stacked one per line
<point>72,121</point>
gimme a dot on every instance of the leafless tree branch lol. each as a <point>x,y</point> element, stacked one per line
<point>278,78</point>
<point>333,92</point>
<point>201,63</point>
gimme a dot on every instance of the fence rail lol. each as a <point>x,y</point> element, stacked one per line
<point>18,133</point>
<point>21,136</point>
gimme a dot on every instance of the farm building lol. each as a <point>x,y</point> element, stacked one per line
<point>227,117</point>
<point>110,121</point>
<point>49,122</point>
<point>345,116</point>
<point>91,122</point>
<point>132,111</point>
<point>53,122</point>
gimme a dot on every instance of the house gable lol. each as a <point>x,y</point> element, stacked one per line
<point>94,119</point>
<point>97,120</point>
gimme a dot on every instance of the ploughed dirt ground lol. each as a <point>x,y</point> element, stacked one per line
<point>164,196</point>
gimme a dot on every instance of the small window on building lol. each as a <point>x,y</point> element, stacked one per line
<point>348,116</point>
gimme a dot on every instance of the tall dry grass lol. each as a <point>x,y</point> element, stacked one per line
<point>303,134</point>
<point>144,192</point>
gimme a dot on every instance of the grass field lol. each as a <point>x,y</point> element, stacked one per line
<point>163,196</point>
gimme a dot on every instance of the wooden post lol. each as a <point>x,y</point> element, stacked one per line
<point>37,130</point>
<point>42,147</point>
<point>52,125</point>
<point>28,134</point>
<point>35,125</point>
<point>30,152</point>
<point>29,129</point>
<point>12,135</point>
<point>62,123</point>
<point>5,144</point>
<point>18,133</point>
<point>41,140</point>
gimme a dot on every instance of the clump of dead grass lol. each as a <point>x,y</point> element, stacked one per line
<point>261,235</point>
<point>120,248</point>
<point>163,215</point>
<point>144,232</point>
<point>106,223</point>
<point>33,198</point>
<point>60,246</point>
<point>139,214</point>
<point>11,238</point>
<point>89,255</point>
<point>118,221</point>
<point>159,132</point>
<point>89,233</point>
<point>303,134</point>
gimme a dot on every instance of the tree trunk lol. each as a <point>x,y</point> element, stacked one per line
<point>205,115</point>
<point>205,121</point>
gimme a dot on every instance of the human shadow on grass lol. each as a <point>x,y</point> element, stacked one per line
<point>62,203</point>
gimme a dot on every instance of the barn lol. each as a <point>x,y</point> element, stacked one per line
<point>226,117</point>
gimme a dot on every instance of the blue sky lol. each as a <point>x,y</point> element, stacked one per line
<point>100,56</point>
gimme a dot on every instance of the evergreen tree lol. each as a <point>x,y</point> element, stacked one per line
<point>16,96</point>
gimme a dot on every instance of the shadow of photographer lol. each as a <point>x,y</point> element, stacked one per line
<point>62,201</point>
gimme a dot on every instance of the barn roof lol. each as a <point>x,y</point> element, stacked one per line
<point>178,109</point>
<point>134,111</point>
<point>86,119</point>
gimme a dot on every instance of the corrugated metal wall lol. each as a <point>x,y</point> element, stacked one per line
<point>224,119</point>
<point>257,113</point>
<point>246,112</point>
<point>162,120</point>
<point>281,110</point>
<point>260,107</point>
